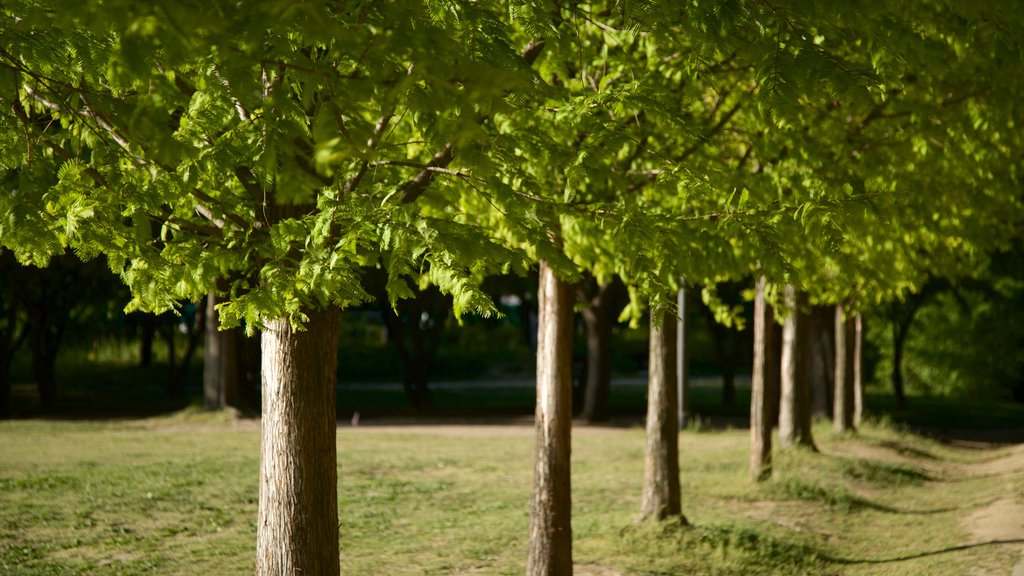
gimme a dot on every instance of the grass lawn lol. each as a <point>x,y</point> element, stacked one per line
<point>176,495</point>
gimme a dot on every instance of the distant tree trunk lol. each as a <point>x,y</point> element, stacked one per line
<point>148,335</point>
<point>44,341</point>
<point>177,372</point>
<point>599,319</point>
<point>297,528</point>
<point>415,330</point>
<point>760,396</point>
<point>821,335</point>
<point>213,357</point>
<point>902,316</point>
<point>842,417</point>
<point>795,397</point>
<point>223,364</point>
<point>773,367</point>
<point>858,370</point>
<point>660,498</point>
<point>727,340</point>
<point>899,339</point>
<point>550,545</point>
<point>683,359</point>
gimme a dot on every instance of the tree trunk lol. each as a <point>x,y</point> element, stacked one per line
<point>682,360</point>
<point>148,335</point>
<point>44,342</point>
<point>899,338</point>
<point>760,397</point>
<point>661,499</point>
<point>297,529</point>
<point>550,545</point>
<point>599,319</point>
<point>858,367</point>
<point>795,396</point>
<point>213,357</point>
<point>842,416</point>
<point>821,331</point>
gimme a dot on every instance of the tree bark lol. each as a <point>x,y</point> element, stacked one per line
<point>599,319</point>
<point>297,529</point>
<point>550,545</point>
<point>223,364</point>
<point>795,396</point>
<point>842,415</point>
<point>858,368</point>
<point>682,359</point>
<point>821,334</point>
<point>661,499</point>
<point>760,396</point>
<point>213,356</point>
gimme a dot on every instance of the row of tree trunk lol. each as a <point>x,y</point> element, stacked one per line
<point>818,360</point>
<point>297,530</point>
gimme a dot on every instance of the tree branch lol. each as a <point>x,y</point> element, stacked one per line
<point>412,189</point>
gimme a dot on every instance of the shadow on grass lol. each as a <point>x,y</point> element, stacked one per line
<point>906,557</point>
<point>835,497</point>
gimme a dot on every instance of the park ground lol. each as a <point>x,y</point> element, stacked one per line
<point>177,494</point>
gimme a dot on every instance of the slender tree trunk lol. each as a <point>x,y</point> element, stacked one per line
<point>550,545</point>
<point>599,319</point>
<point>842,417</point>
<point>44,342</point>
<point>858,367</point>
<point>232,368</point>
<point>682,359</point>
<point>661,499</point>
<point>773,369</point>
<point>760,396</point>
<point>795,397</point>
<point>213,357</point>
<point>297,529</point>
<point>148,322</point>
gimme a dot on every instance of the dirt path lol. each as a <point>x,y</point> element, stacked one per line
<point>1003,519</point>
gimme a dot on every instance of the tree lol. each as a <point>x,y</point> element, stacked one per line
<point>550,550</point>
<point>760,396</point>
<point>795,396</point>
<point>843,407</point>
<point>603,301</point>
<point>248,139</point>
<point>661,496</point>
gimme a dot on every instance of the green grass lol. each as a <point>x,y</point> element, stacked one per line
<point>177,495</point>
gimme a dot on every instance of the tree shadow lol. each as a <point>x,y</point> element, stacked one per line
<point>906,557</point>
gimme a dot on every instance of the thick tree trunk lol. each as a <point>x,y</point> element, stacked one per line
<point>842,416</point>
<point>858,367</point>
<point>795,396</point>
<point>550,545</point>
<point>599,319</point>
<point>760,396</point>
<point>660,498</point>
<point>297,530</point>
